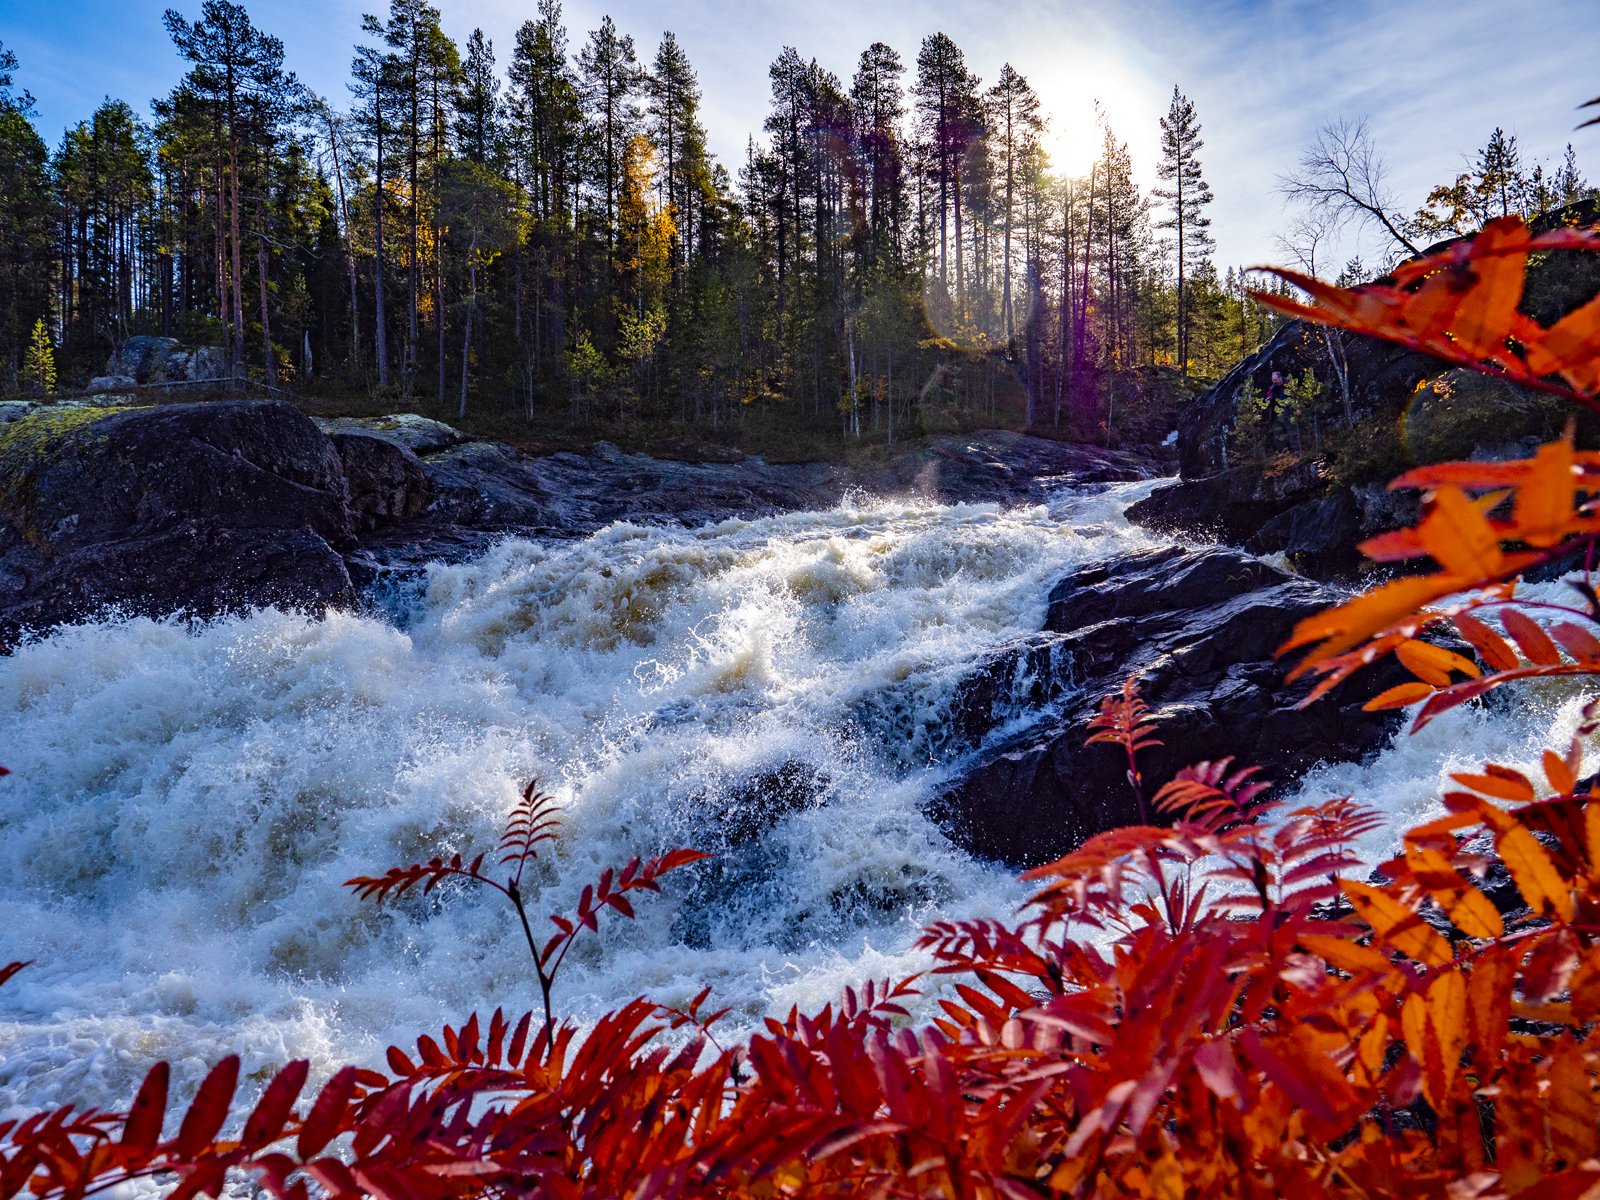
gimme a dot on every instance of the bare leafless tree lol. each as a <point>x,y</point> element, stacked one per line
<point>1308,232</point>
<point>1340,179</point>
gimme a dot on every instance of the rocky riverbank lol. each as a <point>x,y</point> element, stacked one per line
<point>210,507</point>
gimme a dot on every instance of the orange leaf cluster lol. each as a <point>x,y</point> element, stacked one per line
<point>1483,525</point>
<point>1460,305</point>
<point>1479,546</point>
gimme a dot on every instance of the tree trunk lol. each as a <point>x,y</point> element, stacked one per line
<point>466,339</point>
<point>267,358</point>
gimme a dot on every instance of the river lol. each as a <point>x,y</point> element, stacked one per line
<point>187,799</point>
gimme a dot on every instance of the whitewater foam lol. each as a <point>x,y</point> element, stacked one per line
<point>187,799</point>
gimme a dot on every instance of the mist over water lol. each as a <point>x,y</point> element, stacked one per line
<point>187,800</point>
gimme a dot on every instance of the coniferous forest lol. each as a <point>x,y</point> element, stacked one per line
<point>538,232</point>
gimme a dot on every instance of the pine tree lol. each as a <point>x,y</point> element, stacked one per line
<point>239,69</point>
<point>1569,184</point>
<point>946,95</point>
<point>8,100</point>
<point>372,83</point>
<point>1015,125</point>
<point>1187,192</point>
<point>544,121</point>
<point>878,104</point>
<point>1500,175</point>
<point>39,366</point>
<point>674,108</point>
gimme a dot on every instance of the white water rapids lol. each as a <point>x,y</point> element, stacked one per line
<point>187,800</point>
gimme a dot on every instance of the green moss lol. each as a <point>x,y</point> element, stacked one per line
<point>24,444</point>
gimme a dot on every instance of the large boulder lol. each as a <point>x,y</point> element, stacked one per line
<point>199,508</point>
<point>1296,511</point>
<point>148,360</point>
<point>1198,629</point>
<point>385,482</point>
<point>491,485</point>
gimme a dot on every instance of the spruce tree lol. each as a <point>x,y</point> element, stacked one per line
<point>947,108</point>
<point>674,108</point>
<point>1015,126</point>
<point>878,103</point>
<point>478,103</point>
<point>610,76</point>
<point>39,366</point>
<point>1569,184</point>
<point>1500,176</point>
<point>239,70</point>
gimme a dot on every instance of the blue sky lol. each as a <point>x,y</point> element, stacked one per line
<point>1433,76</point>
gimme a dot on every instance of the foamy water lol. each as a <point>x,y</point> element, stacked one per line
<point>187,800</point>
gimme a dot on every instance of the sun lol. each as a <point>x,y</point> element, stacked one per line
<point>1076,97</point>
<point>1072,143</point>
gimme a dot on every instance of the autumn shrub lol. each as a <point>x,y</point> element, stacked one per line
<point>1207,1005</point>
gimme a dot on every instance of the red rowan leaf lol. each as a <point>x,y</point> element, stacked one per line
<point>1531,639</point>
<point>142,1130</point>
<point>1559,772</point>
<point>1543,510</point>
<point>1219,1069</point>
<point>1578,642</point>
<point>1535,875</point>
<point>519,1039</point>
<point>1467,907</point>
<point>1399,696</point>
<point>326,1119</point>
<point>209,1110</point>
<point>205,1177</point>
<point>1304,1090</point>
<point>333,1175</point>
<point>272,1111</point>
<point>1397,924</point>
<point>1500,782</point>
<point>1491,647</point>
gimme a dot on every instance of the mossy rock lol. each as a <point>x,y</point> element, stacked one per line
<point>28,443</point>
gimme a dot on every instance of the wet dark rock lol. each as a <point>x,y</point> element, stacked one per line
<point>194,508</point>
<point>751,806</point>
<point>420,435</point>
<point>490,485</point>
<point>1230,505</point>
<point>1198,628</point>
<point>997,466</point>
<point>1320,535</point>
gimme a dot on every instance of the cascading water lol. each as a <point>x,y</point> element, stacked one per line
<point>187,800</point>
